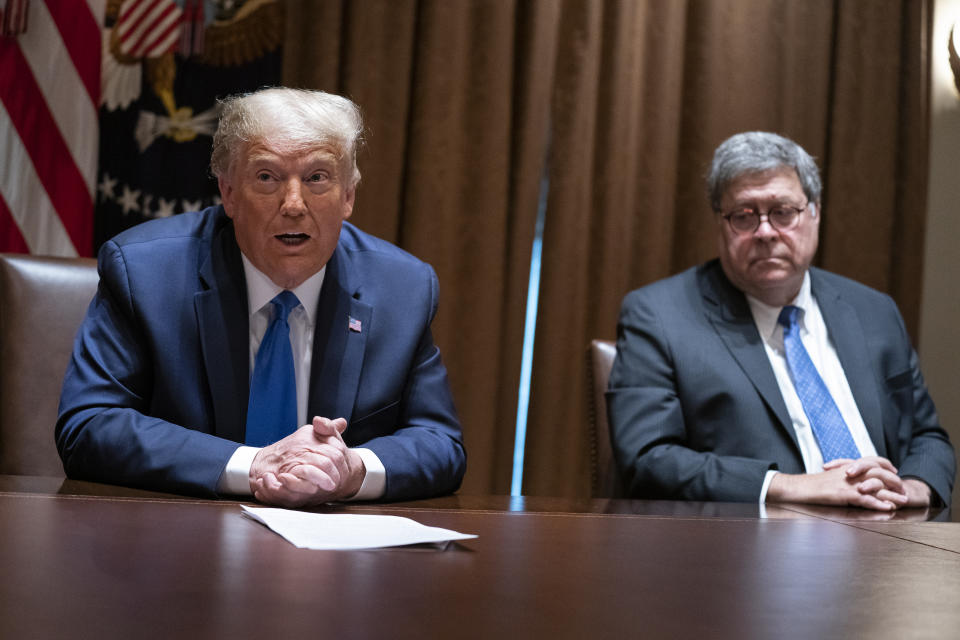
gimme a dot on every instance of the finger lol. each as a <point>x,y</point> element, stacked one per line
<point>284,495</point>
<point>326,456</point>
<point>891,480</point>
<point>861,466</point>
<point>268,495</point>
<point>305,483</point>
<point>872,502</point>
<point>313,454</point>
<point>857,467</point>
<point>835,463</point>
<point>329,431</point>
<point>313,478</point>
<point>878,490</point>
<point>898,499</point>
<point>311,485</point>
<point>324,427</point>
<point>871,486</point>
<point>878,461</point>
<point>268,481</point>
<point>886,464</point>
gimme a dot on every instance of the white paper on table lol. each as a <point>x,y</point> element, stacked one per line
<point>348,530</point>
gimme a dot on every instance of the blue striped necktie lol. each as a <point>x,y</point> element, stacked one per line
<point>828,426</point>
<point>272,409</point>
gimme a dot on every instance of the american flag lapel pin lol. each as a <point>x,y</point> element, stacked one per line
<point>354,325</point>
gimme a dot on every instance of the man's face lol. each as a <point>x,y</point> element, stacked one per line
<point>768,263</point>
<point>287,209</point>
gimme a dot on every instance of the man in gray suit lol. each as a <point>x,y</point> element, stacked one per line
<point>758,377</point>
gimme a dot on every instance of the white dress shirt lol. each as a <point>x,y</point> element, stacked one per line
<point>260,291</point>
<point>813,334</point>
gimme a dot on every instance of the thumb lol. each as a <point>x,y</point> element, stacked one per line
<point>324,427</point>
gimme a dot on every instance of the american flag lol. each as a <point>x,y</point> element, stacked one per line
<point>49,98</point>
<point>148,28</point>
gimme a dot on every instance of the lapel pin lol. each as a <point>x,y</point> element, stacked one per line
<point>354,325</point>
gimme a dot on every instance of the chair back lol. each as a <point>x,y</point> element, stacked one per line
<point>42,302</point>
<point>605,477</point>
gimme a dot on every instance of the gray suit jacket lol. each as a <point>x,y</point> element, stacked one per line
<point>695,410</point>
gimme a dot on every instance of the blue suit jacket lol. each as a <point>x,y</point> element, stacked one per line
<point>156,392</point>
<point>695,410</point>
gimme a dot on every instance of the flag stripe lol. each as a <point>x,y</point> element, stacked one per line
<point>132,14</point>
<point>162,42</point>
<point>63,92</point>
<point>25,197</point>
<point>78,28</point>
<point>28,113</point>
<point>49,122</point>
<point>11,240</point>
<point>162,20</point>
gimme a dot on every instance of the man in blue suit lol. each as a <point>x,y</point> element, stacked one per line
<point>162,390</point>
<point>759,377</point>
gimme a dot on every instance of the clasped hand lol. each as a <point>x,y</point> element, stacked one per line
<point>870,482</point>
<point>310,466</point>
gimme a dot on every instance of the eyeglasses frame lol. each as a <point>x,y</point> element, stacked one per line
<point>761,216</point>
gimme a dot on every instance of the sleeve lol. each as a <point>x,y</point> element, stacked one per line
<point>104,431</point>
<point>424,455</point>
<point>929,455</point>
<point>651,425</point>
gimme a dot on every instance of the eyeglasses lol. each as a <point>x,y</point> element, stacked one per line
<point>747,219</point>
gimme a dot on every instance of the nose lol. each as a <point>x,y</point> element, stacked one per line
<point>765,229</point>
<point>292,203</point>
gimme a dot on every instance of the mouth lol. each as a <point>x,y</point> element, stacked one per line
<point>292,239</point>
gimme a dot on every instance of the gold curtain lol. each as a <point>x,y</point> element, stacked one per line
<point>469,103</point>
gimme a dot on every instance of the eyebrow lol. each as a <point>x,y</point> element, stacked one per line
<point>751,204</point>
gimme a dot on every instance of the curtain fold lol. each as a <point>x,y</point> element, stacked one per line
<point>618,104</point>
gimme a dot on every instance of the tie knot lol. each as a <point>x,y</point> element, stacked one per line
<point>285,302</point>
<point>788,315</point>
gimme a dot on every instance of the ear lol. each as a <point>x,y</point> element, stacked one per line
<point>348,199</point>
<point>226,194</point>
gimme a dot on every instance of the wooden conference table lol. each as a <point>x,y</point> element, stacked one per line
<point>81,560</point>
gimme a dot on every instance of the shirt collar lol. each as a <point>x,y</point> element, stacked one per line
<point>765,316</point>
<point>261,289</point>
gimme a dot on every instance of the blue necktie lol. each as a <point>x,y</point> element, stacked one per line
<point>831,431</point>
<point>272,410</point>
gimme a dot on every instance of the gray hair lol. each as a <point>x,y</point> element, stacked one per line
<point>757,152</point>
<point>293,120</point>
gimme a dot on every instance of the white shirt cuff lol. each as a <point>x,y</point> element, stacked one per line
<point>235,479</point>
<point>766,485</point>
<point>375,479</point>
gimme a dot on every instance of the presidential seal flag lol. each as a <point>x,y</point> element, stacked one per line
<point>49,94</point>
<point>165,64</point>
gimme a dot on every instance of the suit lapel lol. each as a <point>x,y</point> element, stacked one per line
<point>223,323</point>
<point>339,340</point>
<point>728,311</point>
<point>848,338</point>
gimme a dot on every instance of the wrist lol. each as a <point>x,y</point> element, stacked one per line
<point>918,492</point>
<point>357,473</point>
<point>783,488</point>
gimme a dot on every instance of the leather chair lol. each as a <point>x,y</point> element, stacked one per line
<point>605,477</point>
<point>42,302</point>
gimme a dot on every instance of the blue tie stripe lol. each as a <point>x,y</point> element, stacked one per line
<point>827,423</point>
<point>272,408</point>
